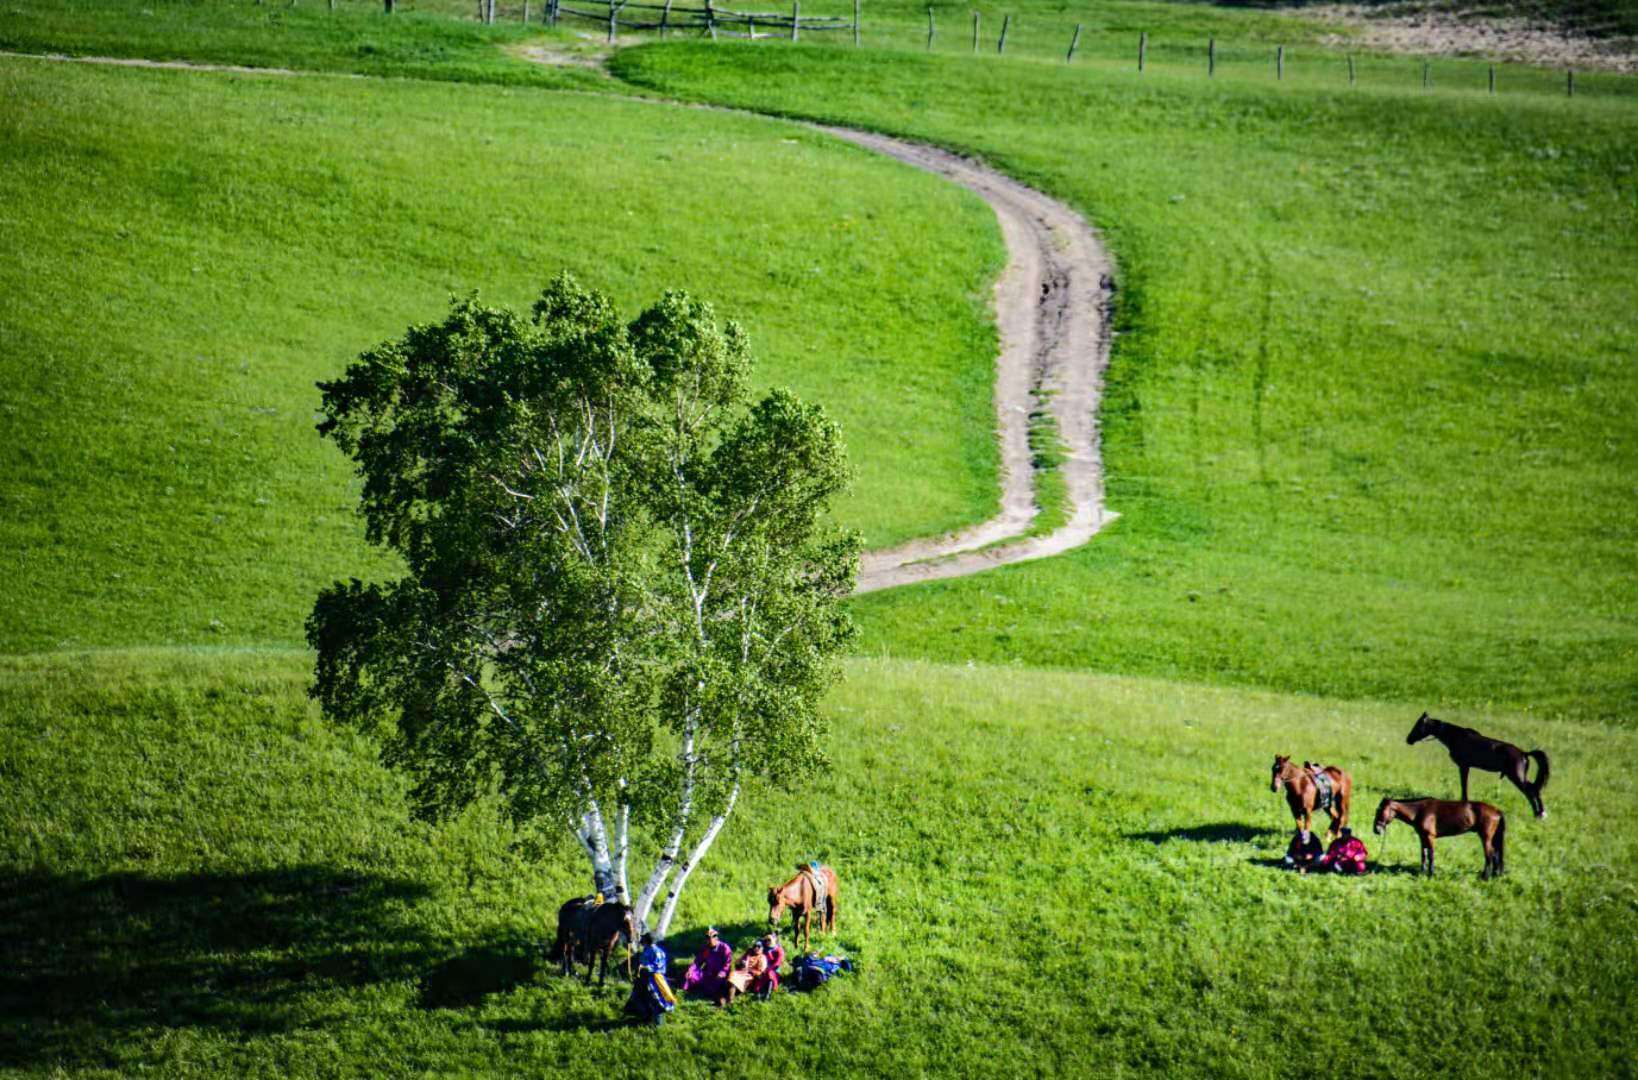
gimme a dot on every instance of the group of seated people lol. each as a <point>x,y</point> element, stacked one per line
<point>714,975</point>
<point>1346,855</point>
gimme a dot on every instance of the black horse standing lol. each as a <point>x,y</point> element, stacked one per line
<point>589,929</point>
<point>1471,750</point>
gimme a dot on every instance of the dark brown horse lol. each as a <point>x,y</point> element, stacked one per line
<point>799,895</point>
<point>1302,794</point>
<point>1433,818</point>
<point>1470,750</point>
<point>589,930</point>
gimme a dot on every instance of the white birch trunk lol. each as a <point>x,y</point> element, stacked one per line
<point>668,854</point>
<point>694,858</point>
<point>621,844</point>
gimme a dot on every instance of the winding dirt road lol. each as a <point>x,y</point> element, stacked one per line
<point>1051,308</point>
<point>1052,312</point>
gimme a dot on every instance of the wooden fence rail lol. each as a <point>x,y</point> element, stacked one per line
<point>709,19</point>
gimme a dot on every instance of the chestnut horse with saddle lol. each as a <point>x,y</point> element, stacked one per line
<point>812,889</point>
<point>1330,790</point>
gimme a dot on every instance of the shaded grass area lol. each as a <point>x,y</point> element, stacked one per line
<point>1367,416</point>
<point>1051,869</point>
<point>214,244</point>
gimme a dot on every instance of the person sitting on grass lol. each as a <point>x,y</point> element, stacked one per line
<point>776,960</point>
<point>750,973</point>
<point>651,996</point>
<point>1346,854</point>
<point>1304,851</point>
<point>707,976</point>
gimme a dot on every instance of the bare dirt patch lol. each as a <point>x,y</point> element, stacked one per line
<point>1051,305</point>
<point>1405,29</point>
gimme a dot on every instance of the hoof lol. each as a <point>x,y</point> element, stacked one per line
<point>1542,816</point>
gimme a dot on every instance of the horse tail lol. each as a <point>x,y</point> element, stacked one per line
<point>1501,841</point>
<point>1541,768</point>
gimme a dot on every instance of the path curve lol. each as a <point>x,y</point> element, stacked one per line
<point>1052,312</point>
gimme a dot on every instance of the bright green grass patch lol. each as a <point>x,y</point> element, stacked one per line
<point>188,253</point>
<point>1369,416</point>
<point>1054,873</point>
<point>421,40</point>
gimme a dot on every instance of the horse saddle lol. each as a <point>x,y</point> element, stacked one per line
<point>819,878</point>
<point>1326,794</point>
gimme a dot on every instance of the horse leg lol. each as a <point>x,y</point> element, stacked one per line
<point>1427,855</point>
<point>1519,774</point>
<point>1464,769</point>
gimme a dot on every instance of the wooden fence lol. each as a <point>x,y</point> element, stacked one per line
<point>709,20</point>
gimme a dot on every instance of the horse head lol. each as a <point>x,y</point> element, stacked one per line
<point>1277,777</point>
<point>1384,814</point>
<point>776,905</point>
<point>1424,727</point>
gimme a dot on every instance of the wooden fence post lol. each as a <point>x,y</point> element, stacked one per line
<point>389,6</point>
<point>1074,40</point>
<point>855,24</point>
<point>750,27</point>
<point>711,19</point>
<point>1211,57</point>
<point>491,12</point>
<point>1425,71</point>
<point>525,12</point>
<point>612,11</point>
<point>551,12</point>
<point>1350,69</point>
<point>1143,48</point>
<point>975,33</point>
<point>1569,82</point>
<point>1279,62</point>
<point>929,28</point>
<point>1492,78</point>
<point>332,5</point>
<point>796,18</point>
<point>1001,43</point>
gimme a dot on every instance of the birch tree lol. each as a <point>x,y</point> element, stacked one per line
<point>621,598</point>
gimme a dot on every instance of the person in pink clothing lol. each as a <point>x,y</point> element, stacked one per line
<point>707,976</point>
<point>764,986</point>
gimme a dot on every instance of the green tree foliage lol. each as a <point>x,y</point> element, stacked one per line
<point>621,589</point>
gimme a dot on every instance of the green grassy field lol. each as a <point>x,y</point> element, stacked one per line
<point>1367,419</point>
<point>1041,873</point>
<point>1368,424</point>
<point>218,243</point>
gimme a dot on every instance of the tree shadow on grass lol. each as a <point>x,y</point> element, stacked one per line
<point>94,963</point>
<point>464,980</point>
<point>1221,832</point>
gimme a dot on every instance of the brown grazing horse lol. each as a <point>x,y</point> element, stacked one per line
<point>1302,794</point>
<point>798,894</point>
<point>1470,750</point>
<point>585,929</point>
<point>1439,817</point>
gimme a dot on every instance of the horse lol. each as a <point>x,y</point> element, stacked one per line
<point>1470,750</point>
<point>799,895</point>
<point>1302,794</point>
<point>591,930</point>
<point>1440,817</point>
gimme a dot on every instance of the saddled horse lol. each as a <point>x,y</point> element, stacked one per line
<point>1433,818</point>
<point>803,899</point>
<point>1303,795</point>
<point>591,930</point>
<point>1471,750</point>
